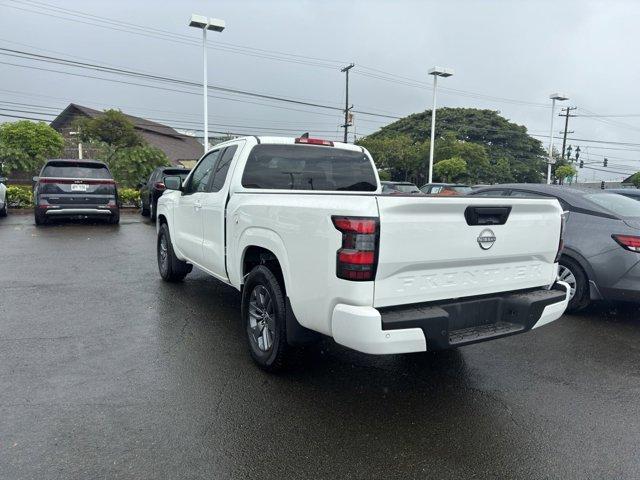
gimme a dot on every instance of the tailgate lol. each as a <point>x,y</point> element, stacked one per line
<point>430,250</point>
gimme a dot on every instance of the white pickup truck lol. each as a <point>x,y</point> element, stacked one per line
<point>301,228</point>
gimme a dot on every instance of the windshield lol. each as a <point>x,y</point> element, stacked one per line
<point>75,170</point>
<point>304,167</point>
<point>462,190</point>
<point>618,204</point>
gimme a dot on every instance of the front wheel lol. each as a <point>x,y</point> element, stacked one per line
<point>570,272</point>
<point>153,206</point>
<point>264,317</point>
<point>172,269</point>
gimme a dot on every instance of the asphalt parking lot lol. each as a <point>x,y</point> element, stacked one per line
<point>107,372</point>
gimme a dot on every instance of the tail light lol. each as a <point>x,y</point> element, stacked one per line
<point>159,186</point>
<point>357,259</point>
<point>628,242</point>
<point>314,141</point>
<point>563,221</point>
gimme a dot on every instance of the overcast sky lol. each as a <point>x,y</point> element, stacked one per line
<point>500,50</point>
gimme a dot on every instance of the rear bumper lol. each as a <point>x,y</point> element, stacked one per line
<point>79,212</point>
<point>438,326</point>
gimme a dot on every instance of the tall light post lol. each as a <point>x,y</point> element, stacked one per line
<point>217,25</point>
<point>436,72</point>
<point>553,97</point>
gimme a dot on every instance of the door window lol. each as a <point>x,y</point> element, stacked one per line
<point>222,168</point>
<point>202,174</point>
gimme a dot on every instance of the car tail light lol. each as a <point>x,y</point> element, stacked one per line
<point>563,221</point>
<point>159,186</point>
<point>357,259</point>
<point>628,242</point>
<point>314,141</point>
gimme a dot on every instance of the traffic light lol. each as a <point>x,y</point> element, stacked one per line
<point>602,184</point>
<point>605,162</point>
<point>569,150</point>
<point>577,153</point>
<point>581,163</point>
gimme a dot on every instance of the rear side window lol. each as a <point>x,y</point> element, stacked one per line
<point>617,204</point>
<point>179,172</point>
<point>75,170</point>
<point>222,168</point>
<point>305,167</point>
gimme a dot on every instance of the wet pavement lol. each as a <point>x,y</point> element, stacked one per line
<point>107,372</point>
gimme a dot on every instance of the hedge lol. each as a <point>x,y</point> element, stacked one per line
<point>21,196</point>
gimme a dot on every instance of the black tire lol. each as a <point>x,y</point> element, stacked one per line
<point>115,218</point>
<point>39,218</point>
<point>153,207</point>
<point>171,268</point>
<point>273,357</point>
<point>3,211</point>
<point>570,268</point>
<point>144,210</point>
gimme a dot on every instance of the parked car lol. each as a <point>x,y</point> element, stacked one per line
<point>3,197</point>
<point>627,192</point>
<point>153,187</point>
<point>75,189</point>
<point>397,188</point>
<point>601,255</point>
<point>300,227</point>
<point>445,189</point>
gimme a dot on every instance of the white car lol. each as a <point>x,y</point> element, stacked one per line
<point>301,228</point>
<point>3,197</point>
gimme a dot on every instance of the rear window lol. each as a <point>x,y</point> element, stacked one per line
<point>404,188</point>
<point>618,204</point>
<point>75,170</point>
<point>181,173</point>
<point>304,167</point>
<point>462,190</point>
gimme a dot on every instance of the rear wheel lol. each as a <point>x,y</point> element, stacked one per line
<point>39,218</point>
<point>570,272</point>
<point>115,218</point>
<point>152,209</point>
<point>264,316</point>
<point>172,269</point>
<point>144,209</point>
<point>3,210</point>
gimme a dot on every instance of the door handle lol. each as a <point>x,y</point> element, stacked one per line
<point>197,206</point>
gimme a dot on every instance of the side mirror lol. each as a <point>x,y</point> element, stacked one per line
<point>35,179</point>
<point>173,182</point>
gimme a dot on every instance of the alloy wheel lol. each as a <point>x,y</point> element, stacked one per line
<point>566,275</point>
<point>261,319</point>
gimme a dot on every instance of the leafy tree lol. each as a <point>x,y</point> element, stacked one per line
<point>450,170</point>
<point>399,155</point>
<point>501,139</point>
<point>121,147</point>
<point>25,145</point>
<point>564,171</point>
<point>635,179</point>
<point>129,165</point>
<point>112,131</point>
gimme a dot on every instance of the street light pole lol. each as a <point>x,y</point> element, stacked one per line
<point>436,72</point>
<point>553,97</point>
<point>217,25</point>
<point>205,87</point>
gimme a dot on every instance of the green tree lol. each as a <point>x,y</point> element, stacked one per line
<point>399,155</point>
<point>563,172</point>
<point>25,145</point>
<point>112,131</point>
<point>129,165</point>
<point>450,170</point>
<point>635,179</point>
<point>501,139</point>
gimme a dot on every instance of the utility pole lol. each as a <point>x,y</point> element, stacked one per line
<point>566,116</point>
<point>347,123</point>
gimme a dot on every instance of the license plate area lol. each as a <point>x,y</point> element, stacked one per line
<point>79,187</point>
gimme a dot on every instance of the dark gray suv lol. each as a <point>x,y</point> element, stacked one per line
<point>601,255</point>
<point>75,189</point>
